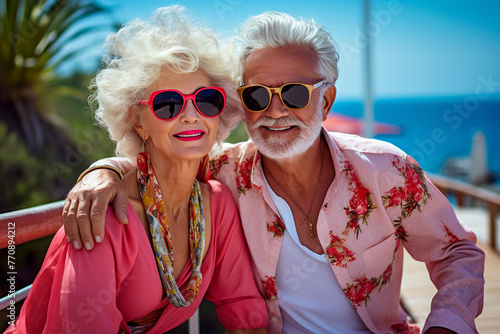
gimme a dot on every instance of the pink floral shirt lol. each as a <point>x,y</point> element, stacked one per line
<point>379,202</point>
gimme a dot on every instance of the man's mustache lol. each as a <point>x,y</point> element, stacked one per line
<point>279,122</point>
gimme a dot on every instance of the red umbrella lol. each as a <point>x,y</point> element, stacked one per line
<point>349,124</point>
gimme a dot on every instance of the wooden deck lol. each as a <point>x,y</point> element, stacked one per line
<point>418,290</point>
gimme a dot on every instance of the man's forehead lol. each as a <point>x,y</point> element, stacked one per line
<point>276,66</point>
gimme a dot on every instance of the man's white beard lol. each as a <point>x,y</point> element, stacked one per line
<point>278,148</point>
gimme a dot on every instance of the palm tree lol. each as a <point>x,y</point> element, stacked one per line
<point>33,37</point>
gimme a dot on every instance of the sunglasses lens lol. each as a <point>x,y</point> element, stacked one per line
<point>210,102</point>
<point>256,98</point>
<point>167,105</point>
<point>295,96</point>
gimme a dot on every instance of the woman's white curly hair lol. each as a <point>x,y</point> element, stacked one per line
<point>138,52</point>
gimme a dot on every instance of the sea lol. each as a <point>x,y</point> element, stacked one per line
<point>437,130</point>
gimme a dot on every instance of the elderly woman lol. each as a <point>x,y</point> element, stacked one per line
<point>165,96</point>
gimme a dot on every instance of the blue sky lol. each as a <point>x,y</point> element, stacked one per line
<point>421,47</point>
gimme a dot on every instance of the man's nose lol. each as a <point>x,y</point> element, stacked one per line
<point>276,108</point>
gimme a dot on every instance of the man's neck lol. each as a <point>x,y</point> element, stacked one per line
<point>300,169</point>
<point>303,183</point>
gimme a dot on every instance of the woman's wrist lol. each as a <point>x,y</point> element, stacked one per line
<point>88,170</point>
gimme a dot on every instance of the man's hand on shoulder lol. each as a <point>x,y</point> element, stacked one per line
<point>86,205</point>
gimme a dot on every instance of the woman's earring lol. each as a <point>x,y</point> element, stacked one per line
<point>144,148</point>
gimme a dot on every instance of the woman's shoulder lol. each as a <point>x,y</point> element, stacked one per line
<point>219,191</point>
<point>223,208</point>
<point>123,240</point>
<point>113,225</point>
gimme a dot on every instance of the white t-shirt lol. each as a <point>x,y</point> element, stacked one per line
<point>311,300</point>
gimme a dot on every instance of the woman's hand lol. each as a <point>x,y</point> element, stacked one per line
<point>86,205</point>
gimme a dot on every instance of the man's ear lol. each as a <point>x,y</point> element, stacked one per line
<point>328,99</point>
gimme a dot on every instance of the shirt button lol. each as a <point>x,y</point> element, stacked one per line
<point>271,261</point>
<point>274,319</point>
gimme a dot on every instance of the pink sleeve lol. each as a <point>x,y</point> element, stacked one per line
<point>75,291</point>
<point>455,263</point>
<point>232,289</point>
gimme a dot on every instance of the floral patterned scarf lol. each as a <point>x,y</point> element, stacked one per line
<point>160,235</point>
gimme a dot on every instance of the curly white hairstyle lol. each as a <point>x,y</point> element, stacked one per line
<point>275,29</point>
<point>138,52</point>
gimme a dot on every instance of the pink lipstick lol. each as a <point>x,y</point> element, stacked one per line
<point>190,135</point>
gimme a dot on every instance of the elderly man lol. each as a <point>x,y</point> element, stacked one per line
<point>326,215</point>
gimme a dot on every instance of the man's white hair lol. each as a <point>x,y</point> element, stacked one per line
<point>275,29</point>
<point>138,52</point>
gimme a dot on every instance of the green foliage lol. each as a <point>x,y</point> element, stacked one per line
<point>21,181</point>
<point>238,134</point>
<point>34,35</point>
<point>46,129</point>
<point>29,180</point>
<point>37,32</point>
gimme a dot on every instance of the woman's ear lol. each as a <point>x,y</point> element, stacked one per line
<point>134,116</point>
<point>328,99</point>
<point>142,132</point>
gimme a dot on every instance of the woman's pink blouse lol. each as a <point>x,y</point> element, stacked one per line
<point>117,282</point>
